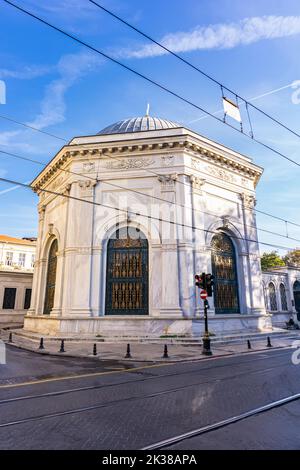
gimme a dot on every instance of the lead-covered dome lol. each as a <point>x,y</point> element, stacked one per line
<point>139,124</point>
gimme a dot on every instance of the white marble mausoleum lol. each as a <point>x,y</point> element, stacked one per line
<point>127,217</point>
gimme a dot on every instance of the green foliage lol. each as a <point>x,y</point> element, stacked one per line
<point>271,260</point>
<point>293,257</point>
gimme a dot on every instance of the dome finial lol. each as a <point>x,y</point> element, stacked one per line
<point>148,109</point>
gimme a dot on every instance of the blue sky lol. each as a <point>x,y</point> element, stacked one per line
<point>62,88</point>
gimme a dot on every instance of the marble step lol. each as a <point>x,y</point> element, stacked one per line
<point>229,338</point>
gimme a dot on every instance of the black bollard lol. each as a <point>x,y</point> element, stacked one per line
<point>95,350</point>
<point>248,344</point>
<point>10,338</point>
<point>165,355</point>
<point>269,345</point>
<point>128,353</point>
<point>62,346</point>
<point>41,344</point>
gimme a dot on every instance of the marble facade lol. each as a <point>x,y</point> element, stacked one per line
<point>179,189</point>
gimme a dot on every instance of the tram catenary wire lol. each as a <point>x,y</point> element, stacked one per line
<point>176,204</point>
<point>149,80</point>
<point>130,213</point>
<point>194,67</point>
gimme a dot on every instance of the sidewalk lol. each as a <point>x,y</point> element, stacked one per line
<point>143,352</point>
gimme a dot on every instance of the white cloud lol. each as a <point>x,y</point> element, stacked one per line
<point>26,73</point>
<point>70,68</point>
<point>68,11</point>
<point>222,36</point>
<point>13,188</point>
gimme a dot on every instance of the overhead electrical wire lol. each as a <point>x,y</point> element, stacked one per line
<point>44,165</point>
<point>123,65</point>
<point>149,80</point>
<point>193,66</point>
<point>142,76</point>
<point>28,126</point>
<point>154,173</point>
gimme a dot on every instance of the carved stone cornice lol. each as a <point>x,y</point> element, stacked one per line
<point>180,143</point>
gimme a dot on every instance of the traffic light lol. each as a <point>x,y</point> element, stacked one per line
<point>209,284</point>
<point>200,280</point>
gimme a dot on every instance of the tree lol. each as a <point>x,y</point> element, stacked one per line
<point>271,260</point>
<point>293,257</point>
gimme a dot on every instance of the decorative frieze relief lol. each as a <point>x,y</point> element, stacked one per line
<point>56,183</point>
<point>247,170</point>
<point>219,173</point>
<point>129,163</point>
<point>168,182</point>
<point>167,160</point>
<point>88,166</point>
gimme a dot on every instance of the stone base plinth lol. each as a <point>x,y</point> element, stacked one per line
<point>12,317</point>
<point>153,327</point>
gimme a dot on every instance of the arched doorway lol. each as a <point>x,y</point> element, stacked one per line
<point>296,292</point>
<point>226,296</point>
<point>127,273</point>
<point>51,278</point>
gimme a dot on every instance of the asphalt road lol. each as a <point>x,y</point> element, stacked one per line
<point>66,403</point>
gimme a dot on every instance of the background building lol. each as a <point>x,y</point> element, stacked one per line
<point>17,257</point>
<point>282,293</point>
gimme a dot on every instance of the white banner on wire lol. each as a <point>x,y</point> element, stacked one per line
<point>231,109</point>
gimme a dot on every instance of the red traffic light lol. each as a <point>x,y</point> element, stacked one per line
<point>199,281</point>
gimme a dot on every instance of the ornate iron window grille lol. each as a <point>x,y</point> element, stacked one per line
<point>127,273</point>
<point>51,278</point>
<point>226,297</point>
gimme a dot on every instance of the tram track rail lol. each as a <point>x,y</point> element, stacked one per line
<point>143,397</point>
<point>166,443</point>
<point>101,405</point>
<point>144,379</point>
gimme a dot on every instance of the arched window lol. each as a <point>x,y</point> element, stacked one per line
<point>296,292</point>
<point>284,306</point>
<point>51,278</point>
<point>272,296</point>
<point>226,296</point>
<point>127,273</point>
